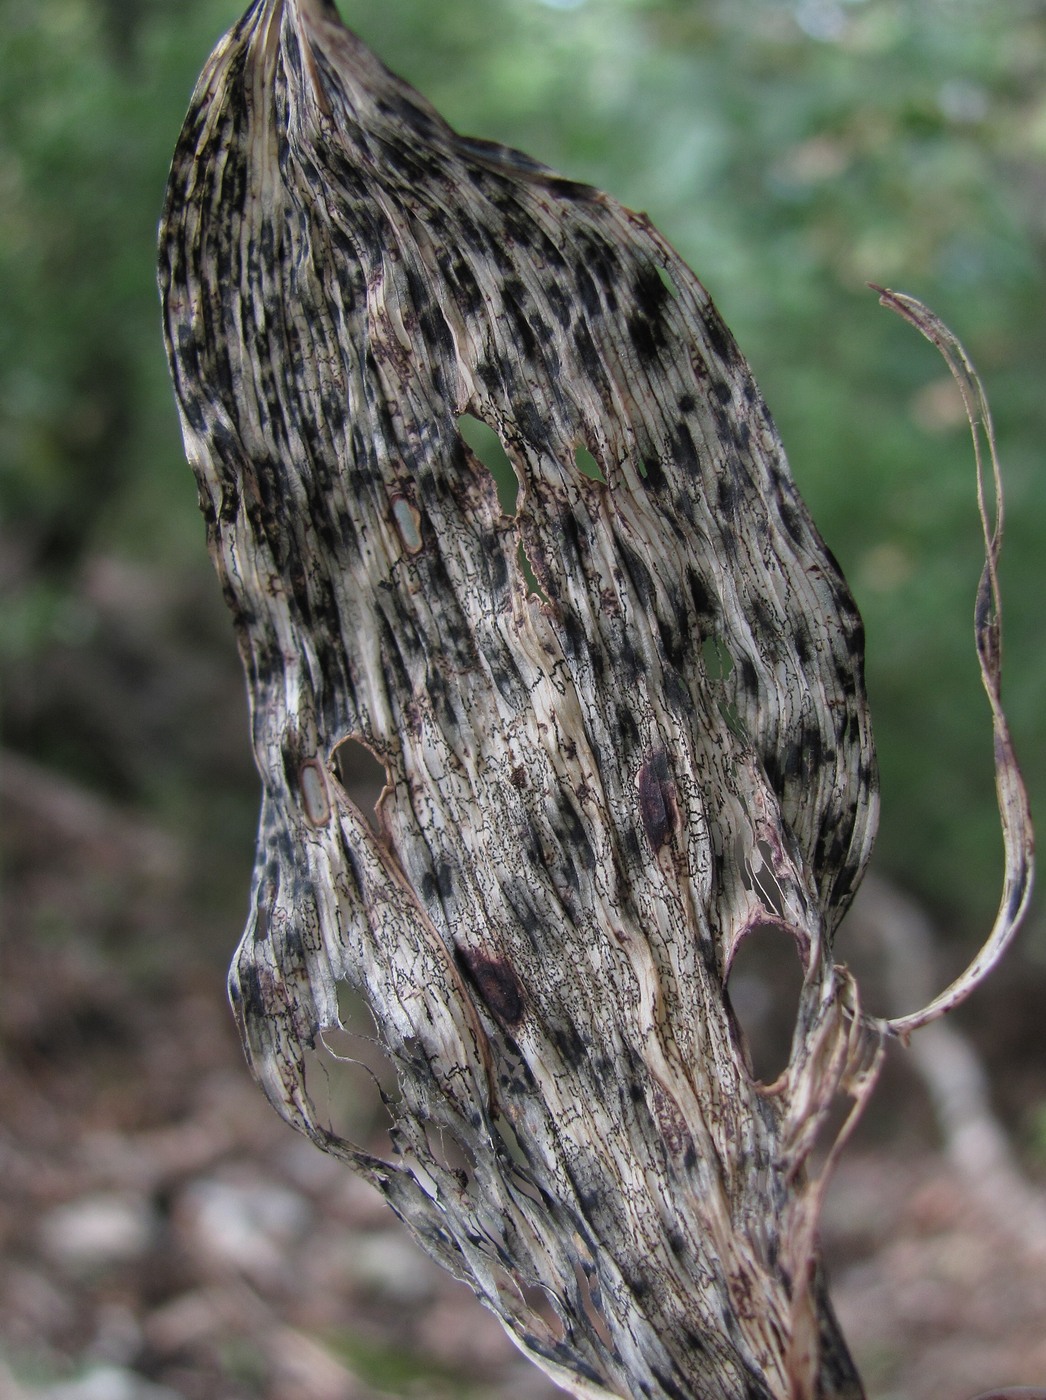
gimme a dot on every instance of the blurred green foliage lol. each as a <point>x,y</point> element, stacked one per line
<point>791,149</point>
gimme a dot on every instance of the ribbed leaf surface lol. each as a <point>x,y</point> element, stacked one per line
<point>602,775</point>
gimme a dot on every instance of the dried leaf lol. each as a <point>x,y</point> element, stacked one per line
<point>623,725</point>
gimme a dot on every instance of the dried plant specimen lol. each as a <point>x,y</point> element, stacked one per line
<point>622,724</point>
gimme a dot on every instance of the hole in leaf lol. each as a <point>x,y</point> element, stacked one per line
<point>718,661</point>
<point>669,283</point>
<point>448,1154</point>
<point>829,1129</point>
<point>591,1302</point>
<point>529,576</point>
<point>587,464</point>
<point>509,1140</point>
<point>488,447</point>
<point>351,1076</point>
<point>540,1301</point>
<point>763,990</point>
<point>765,881</point>
<point>362,776</point>
<point>522,1185</point>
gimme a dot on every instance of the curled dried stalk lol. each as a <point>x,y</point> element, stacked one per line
<point>1014,811</point>
<point>622,718</point>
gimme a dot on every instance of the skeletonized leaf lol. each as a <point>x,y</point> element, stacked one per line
<point>621,719</point>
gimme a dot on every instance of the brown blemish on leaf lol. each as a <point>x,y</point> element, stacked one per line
<point>497,986</point>
<point>658,800</point>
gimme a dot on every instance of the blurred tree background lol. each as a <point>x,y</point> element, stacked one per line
<point>154,1214</point>
<point>791,149</point>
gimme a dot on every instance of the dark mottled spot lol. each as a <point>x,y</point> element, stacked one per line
<point>855,640</point>
<point>445,880</point>
<point>560,302</point>
<point>813,747</point>
<point>749,676</point>
<point>572,189</point>
<point>668,1385</point>
<point>673,646</point>
<point>570,829</point>
<point>529,421</point>
<point>602,257</point>
<point>589,1202</point>
<point>435,331</point>
<point>489,374</point>
<point>647,336</point>
<point>569,1043</point>
<point>755,1390</point>
<point>292,949</point>
<point>766,624</point>
<point>653,472</point>
<point>574,637</point>
<point>638,573</point>
<point>496,983</point>
<point>541,327</point>
<point>726,495</point>
<point>249,986</point>
<point>518,229</point>
<point>792,521</point>
<point>785,765</point>
<point>498,580</point>
<point>520,901</point>
<point>522,329</point>
<point>588,292</point>
<point>650,292</point>
<point>629,846</point>
<point>627,730</point>
<point>589,356</point>
<point>468,287</point>
<point>685,449</point>
<point>719,338</point>
<point>740,435</point>
<point>604,1068</point>
<point>677,693</point>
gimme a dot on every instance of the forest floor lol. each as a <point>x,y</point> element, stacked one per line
<point>166,1237</point>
